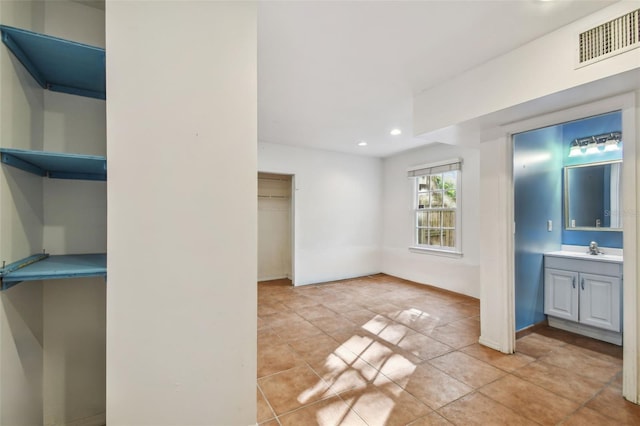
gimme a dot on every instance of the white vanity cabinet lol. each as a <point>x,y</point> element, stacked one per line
<point>600,301</point>
<point>584,294</point>
<point>560,295</point>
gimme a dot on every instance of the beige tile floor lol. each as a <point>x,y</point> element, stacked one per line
<point>384,351</point>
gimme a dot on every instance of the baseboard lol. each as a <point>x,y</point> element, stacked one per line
<point>338,279</point>
<point>593,332</point>
<point>278,277</point>
<point>490,344</point>
<point>97,420</point>
<point>531,329</point>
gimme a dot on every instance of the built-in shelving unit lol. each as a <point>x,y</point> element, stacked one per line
<point>73,68</point>
<point>57,64</point>
<point>46,267</point>
<point>56,165</point>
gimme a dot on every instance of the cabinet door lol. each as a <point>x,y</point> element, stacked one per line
<point>561,294</point>
<point>600,301</point>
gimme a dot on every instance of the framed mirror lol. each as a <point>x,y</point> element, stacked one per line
<point>592,196</point>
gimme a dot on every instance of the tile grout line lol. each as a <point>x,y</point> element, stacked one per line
<point>268,403</point>
<point>351,409</point>
<point>477,391</point>
<point>459,349</point>
<point>358,357</point>
<point>306,405</point>
<point>474,390</point>
<point>335,395</point>
<point>594,396</point>
<point>493,365</point>
<point>580,405</point>
<point>512,409</point>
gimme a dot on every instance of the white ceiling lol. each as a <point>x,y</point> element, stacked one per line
<point>333,73</point>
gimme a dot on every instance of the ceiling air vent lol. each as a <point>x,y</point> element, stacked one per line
<point>611,38</point>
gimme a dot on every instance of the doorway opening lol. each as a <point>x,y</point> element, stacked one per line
<point>625,104</point>
<point>567,195</point>
<point>275,227</point>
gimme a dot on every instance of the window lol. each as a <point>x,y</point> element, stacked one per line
<point>436,202</point>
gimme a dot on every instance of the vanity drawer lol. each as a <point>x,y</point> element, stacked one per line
<point>588,266</point>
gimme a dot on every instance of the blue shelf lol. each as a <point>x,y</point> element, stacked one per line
<point>56,165</point>
<point>46,267</point>
<point>59,65</point>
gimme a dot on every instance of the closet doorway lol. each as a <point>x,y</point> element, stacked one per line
<point>275,230</point>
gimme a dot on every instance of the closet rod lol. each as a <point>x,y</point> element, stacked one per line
<point>277,179</point>
<point>274,196</point>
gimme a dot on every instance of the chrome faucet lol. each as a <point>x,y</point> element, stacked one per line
<point>593,249</point>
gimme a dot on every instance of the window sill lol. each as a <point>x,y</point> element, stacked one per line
<point>437,252</point>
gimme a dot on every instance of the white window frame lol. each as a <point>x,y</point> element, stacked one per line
<point>414,173</point>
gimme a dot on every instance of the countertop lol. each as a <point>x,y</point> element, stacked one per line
<point>586,256</point>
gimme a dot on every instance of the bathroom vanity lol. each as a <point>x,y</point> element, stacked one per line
<point>583,293</point>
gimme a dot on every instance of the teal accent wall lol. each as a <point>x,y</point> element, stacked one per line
<point>537,176</point>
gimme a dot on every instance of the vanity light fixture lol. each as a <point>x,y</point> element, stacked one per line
<point>605,142</point>
<point>395,132</point>
<point>362,143</point>
<point>592,147</point>
<point>578,147</point>
<point>574,151</point>
<point>612,143</point>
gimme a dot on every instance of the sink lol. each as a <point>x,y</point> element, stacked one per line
<point>587,256</point>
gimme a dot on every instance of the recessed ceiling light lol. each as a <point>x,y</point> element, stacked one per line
<point>362,143</point>
<point>396,132</point>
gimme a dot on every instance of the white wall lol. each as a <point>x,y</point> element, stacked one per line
<point>74,21</point>
<point>497,298</point>
<point>631,376</point>
<point>21,329</point>
<point>75,214</point>
<point>74,381</point>
<point>539,68</point>
<point>21,113</point>
<point>181,143</point>
<point>337,211</point>
<point>21,216</point>
<point>459,274</point>
<point>75,221</point>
